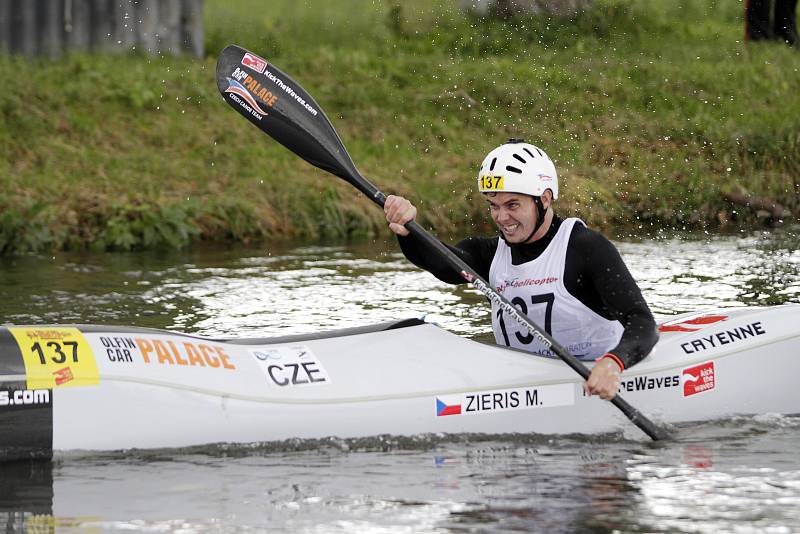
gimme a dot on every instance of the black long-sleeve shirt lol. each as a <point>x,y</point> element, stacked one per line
<point>594,274</point>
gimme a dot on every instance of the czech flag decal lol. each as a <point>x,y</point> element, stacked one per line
<point>442,408</point>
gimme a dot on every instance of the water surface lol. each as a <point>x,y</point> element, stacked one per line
<point>741,475</point>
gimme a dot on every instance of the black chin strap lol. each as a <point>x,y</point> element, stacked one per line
<point>539,217</point>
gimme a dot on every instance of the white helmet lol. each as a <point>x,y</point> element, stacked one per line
<point>518,167</point>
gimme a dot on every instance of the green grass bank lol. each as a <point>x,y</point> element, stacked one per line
<point>655,112</point>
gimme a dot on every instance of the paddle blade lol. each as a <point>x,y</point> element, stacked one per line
<point>282,109</point>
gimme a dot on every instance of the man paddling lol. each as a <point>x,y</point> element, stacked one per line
<point>559,273</point>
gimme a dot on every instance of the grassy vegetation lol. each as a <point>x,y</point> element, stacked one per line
<point>653,110</point>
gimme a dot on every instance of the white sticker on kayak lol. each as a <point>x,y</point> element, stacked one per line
<point>502,400</point>
<point>293,365</point>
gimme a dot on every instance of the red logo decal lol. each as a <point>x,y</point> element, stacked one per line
<point>698,379</point>
<point>63,375</point>
<point>254,62</point>
<point>691,325</point>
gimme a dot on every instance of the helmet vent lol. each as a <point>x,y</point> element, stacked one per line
<point>513,169</point>
<point>491,167</point>
<point>519,158</point>
<point>529,152</point>
<point>540,152</point>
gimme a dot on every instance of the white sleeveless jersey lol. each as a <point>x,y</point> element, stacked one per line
<point>536,288</point>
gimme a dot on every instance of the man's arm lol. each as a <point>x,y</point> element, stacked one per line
<point>620,296</point>
<point>477,252</point>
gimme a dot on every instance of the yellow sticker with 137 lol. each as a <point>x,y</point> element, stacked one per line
<point>56,357</point>
<point>491,183</point>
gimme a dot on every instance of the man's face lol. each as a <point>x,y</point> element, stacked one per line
<point>514,214</point>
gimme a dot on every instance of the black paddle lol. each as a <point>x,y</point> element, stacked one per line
<point>282,109</point>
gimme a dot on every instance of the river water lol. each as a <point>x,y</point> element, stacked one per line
<point>739,475</point>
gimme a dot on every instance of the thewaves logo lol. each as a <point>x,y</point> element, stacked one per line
<point>254,62</point>
<point>24,397</point>
<point>698,379</point>
<point>62,376</point>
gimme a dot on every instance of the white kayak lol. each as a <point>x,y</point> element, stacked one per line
<point>109,388</point>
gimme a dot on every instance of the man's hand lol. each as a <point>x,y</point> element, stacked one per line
<point>604,380</point>
<point>398,212</point>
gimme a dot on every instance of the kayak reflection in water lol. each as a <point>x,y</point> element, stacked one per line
<point>562,275</point>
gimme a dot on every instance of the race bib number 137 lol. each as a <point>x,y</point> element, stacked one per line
<point>56,357</point>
